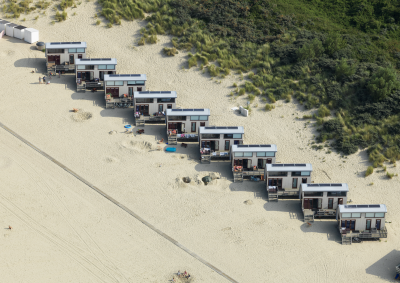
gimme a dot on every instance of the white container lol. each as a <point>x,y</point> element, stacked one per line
<point>31,35</point>
<point>10,29</point>
<point>3,25</point>
<point>19,32</point>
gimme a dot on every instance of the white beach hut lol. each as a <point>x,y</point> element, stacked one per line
<point>10,29</point>
<point>3,24</point>
<point>31,35</point>
<point>19,32</point>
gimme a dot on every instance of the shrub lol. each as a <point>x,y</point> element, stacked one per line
<point>269,107</point>
<point>369,171</point>
<point>98,22</point>
<point>109,25</point>
<point>251,97</point>
<point>383,83</point>
<point>152,39</point>
<point>242,91</point>
<point>142,41</point>
<point>389,175</point>
<point>307,116</point>
<point>323,111</point>
<point>170,51</point>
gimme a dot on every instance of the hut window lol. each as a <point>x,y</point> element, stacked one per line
<point>238,154</point>
<point>203,118</point>
<point>131,82</point>
<point>336,194</point>
<point>248,154</point>
<point>283,174</point>
<point>102,67</point>
<point>346,215</point>
<point>313,194</point>
<point>233,136</point>
<point>160,100</point>
<point>49,51</point>
<point>110,83</point>
<point>296,173</point>
<point>119,83</point>
<point>144,100</point>
<point>305,173</point>
<point>368,215</point>
<point>110,67</point>
<point>194,118</point>
<point>356,215</point>
<point>270,154</point>
<point>81,67</point>
<point>381,215</point>
<point>210,136</point>
<point>72,50</point>
<point>140,82</point>
<point>260,154</point>
<point>177,118</point>
<point>80,50</point>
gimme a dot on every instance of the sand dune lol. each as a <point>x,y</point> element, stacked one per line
<point>65,232</point>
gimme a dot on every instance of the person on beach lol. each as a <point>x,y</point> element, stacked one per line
<point>44,79</point>
<point>179,273</point>
<point>187,277</point>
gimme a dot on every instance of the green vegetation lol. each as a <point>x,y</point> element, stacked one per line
<point>340,57</point>
<point>369,171</point>
<point>170,51</point>
<point>61,16</point>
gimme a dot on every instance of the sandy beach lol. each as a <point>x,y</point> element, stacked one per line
<point>64,231</point>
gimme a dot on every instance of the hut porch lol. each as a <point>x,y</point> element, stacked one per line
<point>348,235</point>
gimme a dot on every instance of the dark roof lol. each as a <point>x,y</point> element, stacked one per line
<point>20,27</point>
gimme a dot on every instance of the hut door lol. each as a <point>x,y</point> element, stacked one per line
<point>57,59</point>
<point>378,224</point>
<point>130,91</point>
<point>71,59</point>
<point>368,225</point>
<point>160,108</point>
<point>101,75</point>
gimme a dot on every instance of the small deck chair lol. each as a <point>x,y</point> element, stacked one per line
<point>397,277</point>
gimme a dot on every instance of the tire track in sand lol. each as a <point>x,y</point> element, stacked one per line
<point>126,209</point>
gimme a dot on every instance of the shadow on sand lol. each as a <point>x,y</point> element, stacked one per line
<point>385,267</point>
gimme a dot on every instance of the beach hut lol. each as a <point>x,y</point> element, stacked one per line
<point>10,29</point>
<point>61,56</point>
<point>3,24</point>
<point>183,124</point>
<point>249,160</point>
<point>19,32</point>
<point>361,221</point>
<point>120,88</point>
<point>90,72</point>
<point>285,179</point>
<point>322,200</point>
<point>152,104</point>
<point>31,35</point>
<point>215,142</point>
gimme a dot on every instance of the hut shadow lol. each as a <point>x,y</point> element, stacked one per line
<point>384,268</point>
<point>290,206</point>
<point>96,97</point>
<point>37,64</point>
<point>325,226</point>
<point>126,114</point>
<point>257,188</point>
<point>221,167</point>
